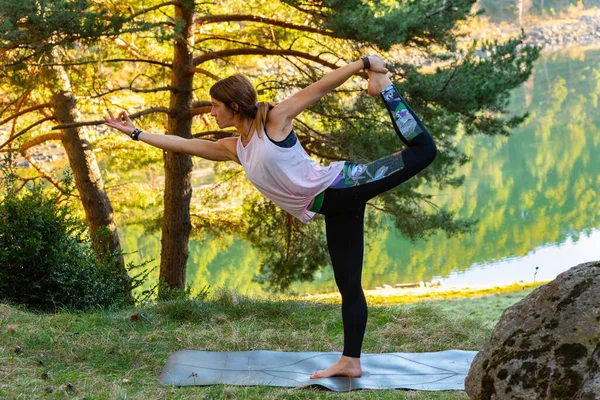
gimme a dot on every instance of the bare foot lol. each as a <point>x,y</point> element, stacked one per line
<point>346,366</point>
<point>377,82</point>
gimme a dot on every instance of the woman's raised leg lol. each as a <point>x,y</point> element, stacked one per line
<point>369,180</point>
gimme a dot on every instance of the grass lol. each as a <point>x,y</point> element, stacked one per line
<point>119,354</point>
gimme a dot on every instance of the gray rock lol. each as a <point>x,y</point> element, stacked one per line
<point>547,346</point>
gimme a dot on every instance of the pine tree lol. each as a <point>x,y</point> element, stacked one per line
<point>35,40</point>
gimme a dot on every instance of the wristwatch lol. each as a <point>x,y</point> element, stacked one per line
<point>366,62</point>
<point>136,133</point>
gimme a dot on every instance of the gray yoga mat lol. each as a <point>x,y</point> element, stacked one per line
<point>444,370</point>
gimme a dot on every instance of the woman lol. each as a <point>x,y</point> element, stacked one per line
<point>278,166</point>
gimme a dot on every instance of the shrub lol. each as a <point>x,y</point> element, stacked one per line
<point>46,257</point>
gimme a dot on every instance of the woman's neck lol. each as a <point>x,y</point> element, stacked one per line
<point>244,127</point>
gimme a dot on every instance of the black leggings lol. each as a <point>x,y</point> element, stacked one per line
<point>344,208</point>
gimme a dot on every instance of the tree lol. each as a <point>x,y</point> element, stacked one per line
<point>35,39</point>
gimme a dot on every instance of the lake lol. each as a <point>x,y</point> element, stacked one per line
<point>535,195</point>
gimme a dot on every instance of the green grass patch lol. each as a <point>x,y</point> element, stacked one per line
<point>120,354</point>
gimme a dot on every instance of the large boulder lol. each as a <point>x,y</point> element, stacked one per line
<point>547,346</point>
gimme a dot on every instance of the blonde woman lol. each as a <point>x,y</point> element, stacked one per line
<point>277,165</point>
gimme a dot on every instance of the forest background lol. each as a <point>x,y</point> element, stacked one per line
<point>66,62</point>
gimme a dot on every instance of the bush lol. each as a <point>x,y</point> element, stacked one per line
<point>46,257</point>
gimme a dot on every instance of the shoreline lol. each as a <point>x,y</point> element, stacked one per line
<point>400,295</point>
<point>579,28</point>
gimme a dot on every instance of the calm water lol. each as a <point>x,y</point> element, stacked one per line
<point>535,195</point>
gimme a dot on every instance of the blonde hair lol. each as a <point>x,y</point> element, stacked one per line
<point>239,90</point>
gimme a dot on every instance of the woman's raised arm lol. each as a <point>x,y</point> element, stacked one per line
<point>284,112</point>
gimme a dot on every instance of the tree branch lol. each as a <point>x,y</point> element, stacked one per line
<point>201,103</point>
<point>152,110</point>
<point>161,89</point>
<point>260,51</point>
<point>451,78</point>
<point>105,61</point>
<point>200,107</point>
<point>204,72</point>
<point>128,47</point>
<point>24,181</point>
<point>310,128</point>
<point>18,100</point>
<point>211,19</point>
<point>25,111</point>
<point>45,174</point>
<point>138,60</point>
<point>200,110</point>
<point>156,7</point>
<point>226,39</point>
<point>390,212</point>
<point>40,139</point>
<point>24,131</point>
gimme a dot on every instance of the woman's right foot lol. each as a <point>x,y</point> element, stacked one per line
<point>377,82</point>
<point>346,366</point>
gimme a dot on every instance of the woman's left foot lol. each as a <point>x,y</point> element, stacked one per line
<point>346,366</point>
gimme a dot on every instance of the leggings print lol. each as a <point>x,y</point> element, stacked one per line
<point>344,206</point>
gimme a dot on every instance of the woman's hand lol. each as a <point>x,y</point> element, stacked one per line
<point>377,65</point>
<point>121,123</point>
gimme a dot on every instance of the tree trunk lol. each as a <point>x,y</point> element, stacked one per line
<point>176,225</point>
<point>98,210</point>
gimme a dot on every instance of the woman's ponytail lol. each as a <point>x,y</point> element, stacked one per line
<point>262,110</point>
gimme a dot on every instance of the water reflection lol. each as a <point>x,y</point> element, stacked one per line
<point>535,195</point>
<point>551,261</point>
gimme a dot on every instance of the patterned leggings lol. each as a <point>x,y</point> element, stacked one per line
<point>344,206</point>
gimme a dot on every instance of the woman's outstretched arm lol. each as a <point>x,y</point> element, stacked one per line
<point>283,114</point>
<point>222,150</point>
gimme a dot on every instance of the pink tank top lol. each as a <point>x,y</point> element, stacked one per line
<point>286,176</point>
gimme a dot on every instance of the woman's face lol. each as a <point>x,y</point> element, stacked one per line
<point>224,115</point>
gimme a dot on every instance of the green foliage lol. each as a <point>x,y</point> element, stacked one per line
<point>478,89</point>
<point>47,259</point>
<point>386,23</point>
<point>33,28</point>
<point>290,252</point>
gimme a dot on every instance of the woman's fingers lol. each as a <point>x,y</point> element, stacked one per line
<point>124,119</point>
<point>377,65</point>
<point>382,70</point>
<point>121,122</point>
